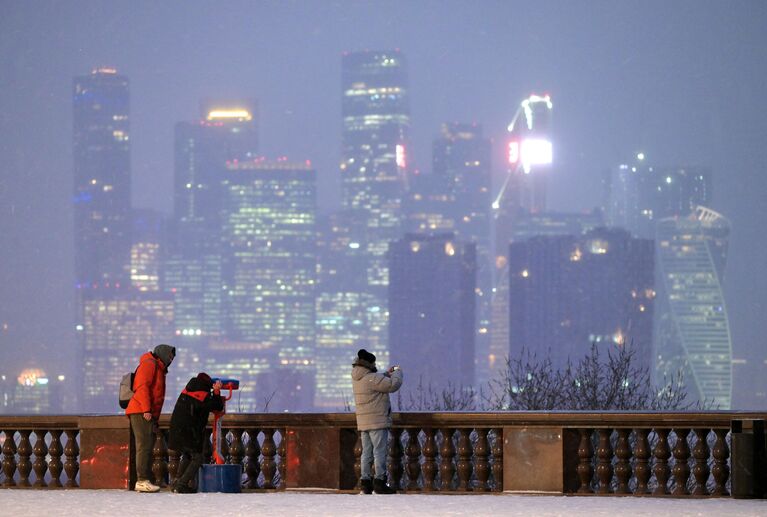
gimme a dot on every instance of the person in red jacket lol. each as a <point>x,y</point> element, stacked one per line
<point>145,407</point>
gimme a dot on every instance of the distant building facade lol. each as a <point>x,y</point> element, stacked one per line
<point>432,309</point>
<point>567,292</point>
<point>269,266</point>
<point>227,132</point>
<point>118,326</point>
<point>374,164</point>
<point>526,226</point>
<point>102,178</point>
<point>101,201</point>
<point>637,195</point>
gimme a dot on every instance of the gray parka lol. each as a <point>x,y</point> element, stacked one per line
<point>371,395</point>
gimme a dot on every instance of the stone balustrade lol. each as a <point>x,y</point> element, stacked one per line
<point>685,454</point>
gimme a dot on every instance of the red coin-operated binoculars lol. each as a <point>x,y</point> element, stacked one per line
<point>218,476</point>
<point>226,384</point>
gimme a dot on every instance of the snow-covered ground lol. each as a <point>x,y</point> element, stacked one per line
<point>83,503</point>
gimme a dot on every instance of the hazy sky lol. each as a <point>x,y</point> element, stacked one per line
<point>682,81</point>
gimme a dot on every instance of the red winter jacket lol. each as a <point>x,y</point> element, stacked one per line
<point>148,387</point>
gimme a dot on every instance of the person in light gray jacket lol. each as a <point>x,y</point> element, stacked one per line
<point>373,409</point>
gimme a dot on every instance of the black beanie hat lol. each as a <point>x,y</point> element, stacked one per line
<point>205,378</point>
<point>166,353</point>
<point>366,356</point>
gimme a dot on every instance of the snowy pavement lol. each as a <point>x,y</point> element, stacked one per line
<point>83,503</point>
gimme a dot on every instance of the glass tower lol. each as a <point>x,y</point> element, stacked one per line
<point>461,159</point>
<point>269,266</point>
<point>101,203</point>
<point>692,329</point>
<point>226,132</point>
<point>375,152</point>
<point>637,195</point>
<point>102,183</point>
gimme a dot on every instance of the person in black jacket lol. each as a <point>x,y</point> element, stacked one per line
<point>187,425</point>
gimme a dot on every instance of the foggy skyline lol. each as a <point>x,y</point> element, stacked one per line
<point>682,83</point>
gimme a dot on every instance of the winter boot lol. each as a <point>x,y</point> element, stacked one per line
<point>380,487</point>
<point>183,489</point>
<point>367,486</point>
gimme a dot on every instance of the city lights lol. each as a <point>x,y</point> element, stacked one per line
<point>239,114</point>
<point>401,158</point>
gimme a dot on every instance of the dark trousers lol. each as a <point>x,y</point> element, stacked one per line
<point>144,435</point>
<point>195,461</point>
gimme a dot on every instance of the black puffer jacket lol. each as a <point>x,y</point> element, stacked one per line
<point>190,415</point>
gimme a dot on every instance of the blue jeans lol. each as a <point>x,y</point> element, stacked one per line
<point>374,449</point>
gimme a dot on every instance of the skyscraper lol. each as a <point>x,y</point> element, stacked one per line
<point>269,265</point>
<point>638,195</point>
<point>102,179</point>
<point>693,333</point>
<point>567,292</point>
<point>102,204</point>
<point>548,224</point>
<point>345,315</point>
<point>226,132</point>
<point>375,151</point>
<point>431,307</point>
<point>461,159</point>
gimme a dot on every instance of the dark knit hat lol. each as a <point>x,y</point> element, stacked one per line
<point>366,356</point>
<point>205,378</point>
<point>166,353</point>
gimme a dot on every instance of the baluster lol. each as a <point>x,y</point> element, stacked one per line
<point>604,461</point>
<point>464,459</point>
<point>662,453</point>
<point>9,458</point>
<point>622,465</point>
<point>282,453</point>
<point>481,463</point>
<point>413,452</point>
<point>642,465</point>
<point>174,462</point>
<point>681,468</point>
<point>252,452</point>
<point>207,447</point>
<point>394,466</point>
<point>236,450</point>
<point>55,466</point>
<point>268,465</point>
<point>159,459</point>
<point>72,454</point>
<point>430,462</point>
<point>25,453</point>
<point>225,445</point>
<point>40,466</point>
<point>720,470</point>
<point>358,460</point>
<point>585,469</point>
<point>446,466</point>
<point>497,451</point>
<point>700,469</point>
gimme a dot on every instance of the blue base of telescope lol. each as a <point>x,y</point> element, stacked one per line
<point>220,478</point>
